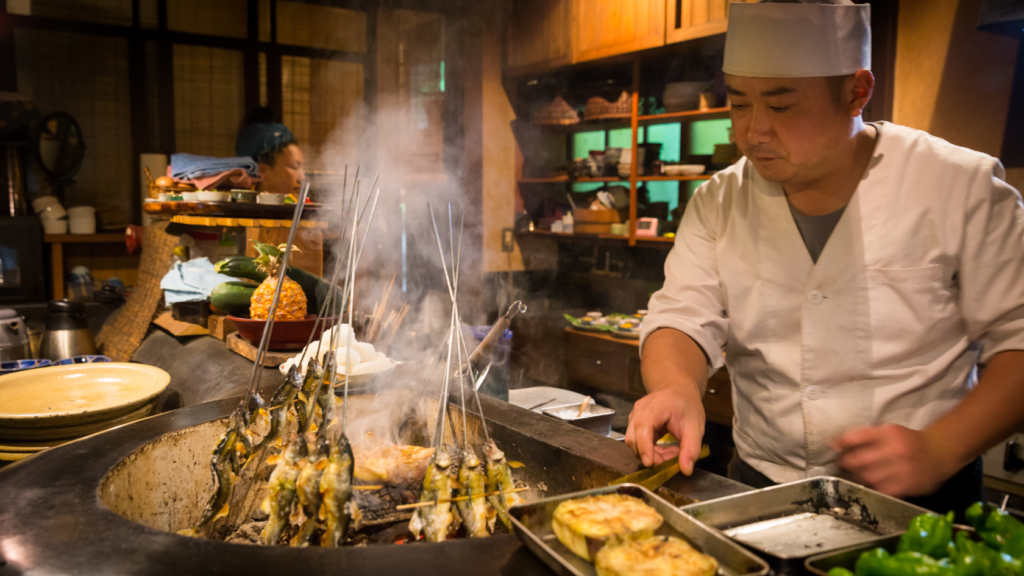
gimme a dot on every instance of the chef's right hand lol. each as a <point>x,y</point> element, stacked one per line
<point>677,410</point>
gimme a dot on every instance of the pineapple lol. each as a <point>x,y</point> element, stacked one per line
<point>292,305</point>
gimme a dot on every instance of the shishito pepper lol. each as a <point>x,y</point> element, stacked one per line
<point>929,534</point>
<point>838,571</point>
<point>976,559</point>
<point>996,527</point>
<point>878,562</point>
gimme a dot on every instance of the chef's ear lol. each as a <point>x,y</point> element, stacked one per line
<point>263,168</point>
<point>859,87</point>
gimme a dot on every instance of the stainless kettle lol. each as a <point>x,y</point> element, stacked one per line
<point>14,342</point>
<point>67,332</point>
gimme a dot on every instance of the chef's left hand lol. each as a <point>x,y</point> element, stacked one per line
<point>892,459</point>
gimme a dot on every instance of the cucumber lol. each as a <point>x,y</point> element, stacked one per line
<point>245,267</point>
<point>233,297</point>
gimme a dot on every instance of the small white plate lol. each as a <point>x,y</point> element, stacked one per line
<point>206,196</point>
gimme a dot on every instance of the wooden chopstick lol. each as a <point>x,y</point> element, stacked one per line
<point>460,498</point>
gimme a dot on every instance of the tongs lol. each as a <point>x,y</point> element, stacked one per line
<point>497,330</point>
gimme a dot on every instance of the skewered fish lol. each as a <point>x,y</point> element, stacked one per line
<point>472,485</point>
<point>499,478</point>
<point>279,406</point>
<point>302,403</point>
<point>223,465</point>
<point>337,510</point>
<point>434,520</point>
<point>281,490</point>
<point>308,491</point>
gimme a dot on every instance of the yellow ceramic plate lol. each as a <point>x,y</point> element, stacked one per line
<point>13,456</point>
<point>28,445</point>
<point>72,432</point>
<point>77,393</point>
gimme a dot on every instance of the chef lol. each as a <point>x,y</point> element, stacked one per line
<point>277,154</point>
<point>855,275</point>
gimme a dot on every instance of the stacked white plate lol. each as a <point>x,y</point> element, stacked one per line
<point>46,407</point>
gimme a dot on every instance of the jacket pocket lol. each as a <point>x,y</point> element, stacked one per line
<point>902,314</point>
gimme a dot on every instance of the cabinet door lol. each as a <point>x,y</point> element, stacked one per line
<point>604,28</point>
<point>539,35</point>
<point>689,19</point>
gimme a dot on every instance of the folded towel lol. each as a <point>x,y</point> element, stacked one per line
<point>190,166</point>
<point>191,281</point>
<point>231,180</point>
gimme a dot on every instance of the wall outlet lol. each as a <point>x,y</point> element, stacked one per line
<point>507,240</point>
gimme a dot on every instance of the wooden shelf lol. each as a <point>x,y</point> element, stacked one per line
<point>691,115</point>
<point>658,241</point>
<point>565,180</point>
<point>672,178</point>
<point>105,238</point>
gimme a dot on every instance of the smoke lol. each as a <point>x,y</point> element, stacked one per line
<point>401,142</point>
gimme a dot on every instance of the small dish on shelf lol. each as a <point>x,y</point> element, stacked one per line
<point>684,169</point>
<point>211,196</point>
<point>270,199</point>
<point>243,196</point>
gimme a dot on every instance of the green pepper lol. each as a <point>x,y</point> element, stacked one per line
<point>929,534</point>
<point>995,526</point>
<point>976,559</point>
<point>878,562</point>
<point>1015,545</point>
<point>839,571</point>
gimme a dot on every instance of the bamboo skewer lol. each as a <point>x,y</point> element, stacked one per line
<point>458,499</point>
<point>583,406</point>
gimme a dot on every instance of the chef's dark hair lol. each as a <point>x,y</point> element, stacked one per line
<point>253,142</point>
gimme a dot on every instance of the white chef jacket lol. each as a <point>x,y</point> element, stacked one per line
<point>922,276</point>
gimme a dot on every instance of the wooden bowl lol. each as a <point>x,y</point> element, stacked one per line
<point>287,334</point>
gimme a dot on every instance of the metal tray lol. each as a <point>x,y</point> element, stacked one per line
<point>785,524</point>
<point>532,524</point>
<point>597,419</point>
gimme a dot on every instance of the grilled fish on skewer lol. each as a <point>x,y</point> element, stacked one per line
<point>222,468</point>
<point>434,520</point>
<point>337,510</point>
<point>281,490</point>
<point>302,402</point>
<point>325,399</point>
<point>279,406</point>
<point>472,484</point>
<point>308,491</point>
<point>499,479</point>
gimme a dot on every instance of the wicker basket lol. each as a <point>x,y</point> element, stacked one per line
<point>557,113</point>
<point>600,109</point>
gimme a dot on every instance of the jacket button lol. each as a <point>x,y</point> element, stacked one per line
<point>813,392</point>
<point>815,297</point>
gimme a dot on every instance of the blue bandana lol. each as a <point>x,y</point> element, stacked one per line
<point>255,139</point>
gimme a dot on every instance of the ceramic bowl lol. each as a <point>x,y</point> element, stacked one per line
<point>18,365</point>
<point>190,196</point>
<point>81,212</point>
<point>88,359</point>
<point>208,196</point>
<point>58,396</point>
<point>40,204</point>
<point>56,212</point>
<point>270,199</point>
<point>287,334</point>
<point>164,196</point>
<point>244,196</point>
<point>55,226</point>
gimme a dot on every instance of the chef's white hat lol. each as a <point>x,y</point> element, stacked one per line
<point>797,40</point>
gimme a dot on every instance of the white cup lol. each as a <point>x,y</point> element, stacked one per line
<point>41,203</point>
<point>83,225</point>
<point>55,226</point>
<point>82,212</point>
<point>52,212</point>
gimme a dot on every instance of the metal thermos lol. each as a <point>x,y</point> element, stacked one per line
<point>14,342</point>
<point>67,332</point>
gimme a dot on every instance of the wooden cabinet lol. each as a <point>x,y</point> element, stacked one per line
<point>603,28</point>
<point>689,19</point>
<point>539,35</point>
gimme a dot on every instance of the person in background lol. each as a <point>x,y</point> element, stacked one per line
<point>273,147</point>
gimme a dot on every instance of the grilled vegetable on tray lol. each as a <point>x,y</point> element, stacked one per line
<point>586,524</point>
<point>652,556</point>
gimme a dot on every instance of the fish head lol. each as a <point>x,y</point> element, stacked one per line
<point>322,447</point>
<point>313,365</point>
<point>492,452</point>
<point>296,449</point>
<point>294,377</point>
<point>469,458</point>
<point>442,461</point>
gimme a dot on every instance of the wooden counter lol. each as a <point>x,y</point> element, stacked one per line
<point>601,361</point>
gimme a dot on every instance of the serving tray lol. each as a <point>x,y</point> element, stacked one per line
<point>786,524</point>
<point>532,524</point>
